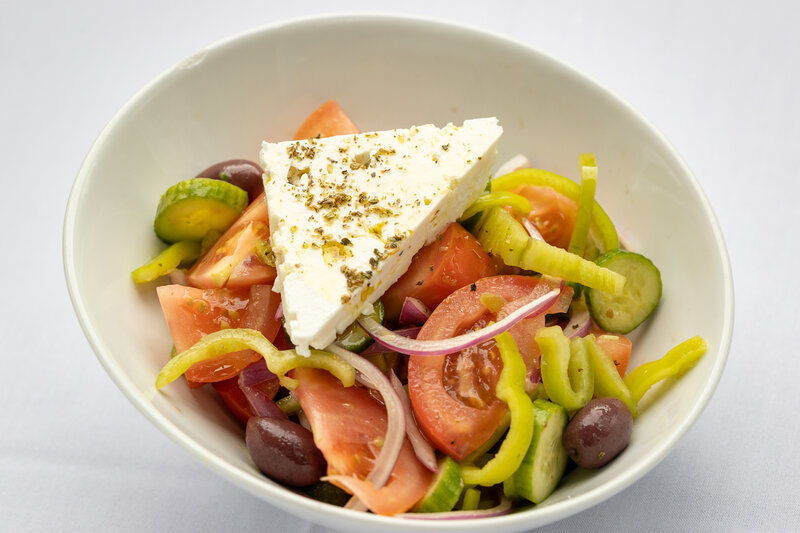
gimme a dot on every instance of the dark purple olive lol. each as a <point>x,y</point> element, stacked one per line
<point>284,451</point>
<point>240,172</point>
<point>598,432</point>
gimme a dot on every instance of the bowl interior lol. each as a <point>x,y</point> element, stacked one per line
<point>386,72</point>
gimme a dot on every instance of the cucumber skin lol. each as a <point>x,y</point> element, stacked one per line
<point>328,493</point>
<point>548,418</point>
<point>624,320</point>
<point>445,489</point>
<point>223,194</point>
<point>354,338</point>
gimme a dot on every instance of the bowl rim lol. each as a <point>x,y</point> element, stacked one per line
<point>296,503</point>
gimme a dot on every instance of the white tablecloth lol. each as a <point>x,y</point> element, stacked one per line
<point>720,79</point>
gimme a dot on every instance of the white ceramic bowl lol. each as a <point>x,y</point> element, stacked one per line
<point>387,72</point>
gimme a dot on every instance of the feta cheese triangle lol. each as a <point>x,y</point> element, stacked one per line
<point>348,213</point>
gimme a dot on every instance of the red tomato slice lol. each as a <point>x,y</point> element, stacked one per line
<point>453,396</point>
<point>193,313</point>
<point>232,261</point>
<point>349,425</point>
<point>616,346</point>
<point>552,213</point>
<point>327,120</point>
<point>454,259</point>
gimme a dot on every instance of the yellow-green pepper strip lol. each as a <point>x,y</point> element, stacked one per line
<point>518,203</point>
<point>607,381</point>
<point>676,362</point>
<point>499,233</point>
<point>580,231</point>
<point>472,497</point>
<point>279,362</point>
<point>167,261</point>
<point>289,405</point>
<point>565,186</point>
<point>567,371</point>
<point>511,389</point>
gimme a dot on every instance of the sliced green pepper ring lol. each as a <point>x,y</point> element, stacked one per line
<point>167,261</point>
<point>534,176</point>
<point>567,371</point>
<point>518,203</point>
<point>580,232</point>
<point>676,362</point>
<point>511,389</point>
<point>607,381</point>
<point>279,362</point>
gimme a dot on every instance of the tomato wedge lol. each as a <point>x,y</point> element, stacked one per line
<point>232,261</point>
<point>327,120</point>
<point>454,259</point>
<point>616,346</point>
<point>552,213</point>
<point>453,396</point>
<point>349,425</point>
<point>193,313</point>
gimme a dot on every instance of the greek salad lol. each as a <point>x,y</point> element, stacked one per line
<point>457,373</point>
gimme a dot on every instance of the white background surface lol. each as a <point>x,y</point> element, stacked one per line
<point>720,79</point>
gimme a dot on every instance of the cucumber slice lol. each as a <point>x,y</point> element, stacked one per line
<point>510,490</point>
<point>445,489</point>
<point>354,338</point>
<point>622,313</point>
<point>190,209</point>
<point>546,459</point>
<point>328,493</point>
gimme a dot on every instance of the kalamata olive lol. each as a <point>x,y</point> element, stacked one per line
<point>240,172</point>
<point>598,432</point>
<point>284,451</point>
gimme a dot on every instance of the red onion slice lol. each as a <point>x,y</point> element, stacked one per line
<point>533,376</point>
<point>413,313</point>
<point>256,373</point>
<point>533,233</point>
<point>401,344</point>
<point>395,421</point>
<point>376,347</point>
<point>422,448</point>
<point>177,277</point>
<point>279,312</point>
<point>502,508</point>
<point>579,325</point>
<point>260,404</point>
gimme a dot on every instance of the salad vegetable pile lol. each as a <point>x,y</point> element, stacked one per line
<point>495,362</point>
